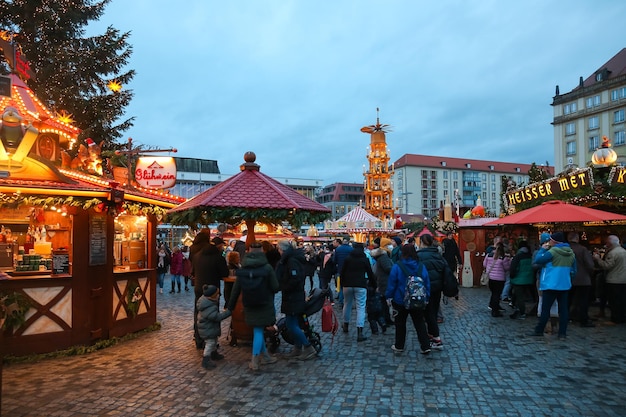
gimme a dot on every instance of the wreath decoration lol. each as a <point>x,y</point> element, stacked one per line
<point>133,298</point>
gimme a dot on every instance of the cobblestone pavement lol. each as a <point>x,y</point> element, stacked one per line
<point>489,367</point>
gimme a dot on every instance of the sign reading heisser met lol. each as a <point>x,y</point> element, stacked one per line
<point>554,186</point>
<point>617,176</point>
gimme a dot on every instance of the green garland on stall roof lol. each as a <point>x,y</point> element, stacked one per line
<point>235,215</point>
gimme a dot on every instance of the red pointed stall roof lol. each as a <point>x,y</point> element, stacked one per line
<point>251,189</point>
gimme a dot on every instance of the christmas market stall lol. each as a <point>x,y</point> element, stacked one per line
<point>77,249</point>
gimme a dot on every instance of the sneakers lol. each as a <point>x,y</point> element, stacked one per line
<point>267,359</point>
<point>307,353</point>
<point>436,344</point>
<point>517,316</point>
<point>396,350</point>
<point>499,308</point>
<point>425,351</point>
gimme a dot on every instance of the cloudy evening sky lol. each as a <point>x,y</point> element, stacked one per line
<point>294,81</point>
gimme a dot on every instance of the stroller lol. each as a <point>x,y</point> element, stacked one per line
<point>314,303</point>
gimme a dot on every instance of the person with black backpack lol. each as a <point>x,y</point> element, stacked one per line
<point>408,271</point>
<point>437,266</point>
<point>291,279</point>
<point>257,283</point>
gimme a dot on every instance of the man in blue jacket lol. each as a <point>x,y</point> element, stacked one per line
<point>559,265</point>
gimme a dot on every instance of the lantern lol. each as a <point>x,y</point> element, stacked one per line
<point>604,156</point>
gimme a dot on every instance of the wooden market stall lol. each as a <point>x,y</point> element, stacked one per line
<point>78,249</point>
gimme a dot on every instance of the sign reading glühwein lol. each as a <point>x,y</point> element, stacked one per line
<point>156,172</point>
<point>554,186</point>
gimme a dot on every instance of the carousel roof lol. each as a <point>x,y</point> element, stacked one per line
<point>359,221</point>
<point>358,215</point>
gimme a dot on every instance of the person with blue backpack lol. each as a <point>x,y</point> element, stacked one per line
<point>408,290</point>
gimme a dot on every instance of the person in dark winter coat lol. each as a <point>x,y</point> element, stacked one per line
<point>396,288</point>
<point>451,252</point>
<point>186,267</point>
<point>436,266</point>
<point>382,268</point>
<point>290,275</point>
<point>208,322</point>
<point>262,313</point>
<point>327,267</point>
<point>356,274</point>
<point>311,263</point>
<point>581,283</point>
<point>523,284</point>
<point>209,268</point>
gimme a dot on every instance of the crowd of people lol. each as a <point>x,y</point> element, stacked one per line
<point>554,282</point>
<point>369,281</point>
<point>558,281</point>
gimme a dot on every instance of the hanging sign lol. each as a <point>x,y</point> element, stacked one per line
<point>617,176</point>
<point>156,172</point>
<point>551,187</point>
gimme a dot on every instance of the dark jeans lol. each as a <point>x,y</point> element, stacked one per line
<point>521,293</point>
<point>548,297</point>
<point>417,316</point>
<point>496,288</point>
<point>431,313</point>
<point>579,303</point>
<point>617,302</point>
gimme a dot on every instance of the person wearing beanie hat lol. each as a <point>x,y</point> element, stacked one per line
<point>544,238</point>
<point>559,266</point>
<point>209,324</point>
<point>395,252</point>
<point>377,242</point>
<point>257,283</point>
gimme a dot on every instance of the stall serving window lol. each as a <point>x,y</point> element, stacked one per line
<point>35,241</point>
<point>130,251</point>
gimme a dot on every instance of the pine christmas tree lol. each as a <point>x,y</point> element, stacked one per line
<point>73,71</point>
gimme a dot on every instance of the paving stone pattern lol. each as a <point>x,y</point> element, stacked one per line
<point>489,367</point>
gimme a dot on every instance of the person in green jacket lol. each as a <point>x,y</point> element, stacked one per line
<point>522,280</point>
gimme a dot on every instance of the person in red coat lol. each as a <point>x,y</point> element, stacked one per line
<point>176,268</point>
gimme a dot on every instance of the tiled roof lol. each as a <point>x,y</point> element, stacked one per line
<point>252,189</point>
<point>462,164</point>
<point>616,66</point>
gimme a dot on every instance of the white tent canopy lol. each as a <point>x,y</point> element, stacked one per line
<point>359,221</point>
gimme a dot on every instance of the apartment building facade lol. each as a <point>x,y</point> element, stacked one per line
<point>423,183</point>
<point>595,108</point>
<point>341,198</point>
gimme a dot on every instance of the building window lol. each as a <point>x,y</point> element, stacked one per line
<point>455,184</point>
<point>593,122</point>
<point>570,129</point>
<point>445,184</point>
<point>455,175</point>
<point>445,175</point>
<point>619,138</point>
<point>593,101</point>
<point>484,185</point>
<point>569,108</point>
<point>570,148</point>
<point>493,196</point>
<point>594,143</point>
<point>493,186</point>
<point>484,195</point>
<point>618,94</point>
<point>618,116</point>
